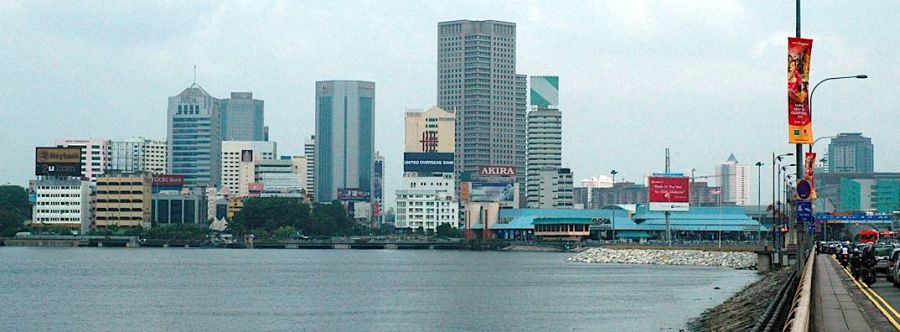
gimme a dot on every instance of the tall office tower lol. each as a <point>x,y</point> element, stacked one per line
<point>242,118</point>
<point>137,155</point>
<point>194,142</point>
<point>94,155</point>
<point>238,163</point>
<point>477,80</point>
<point>345,140</point>
<point>430,131</point>
<point>377,189</point>
<point>734,181</point>
<point>309,151</point>
<point>544,142</point>
<point>851,153</point>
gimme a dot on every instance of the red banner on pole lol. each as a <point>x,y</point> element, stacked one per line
<point>810,164</point>
<point>799,116</point>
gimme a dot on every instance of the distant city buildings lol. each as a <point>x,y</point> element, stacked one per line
<point>94,155</point>
<point>238,162</point>
<point>378,189</point>
<point>123,200</point>
<point>62,202</point>
<point>858,192</point>
<point>734,181</point>
<point>477,80</point>
<point>194,141</point>
<point>851,153</point>
<point>137,155</point>
<point>242,118</point>
<point>280,178</point>
<point>345,140</point>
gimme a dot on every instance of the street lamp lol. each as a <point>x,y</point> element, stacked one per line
<point>613,172</point>
<point>811,93</point>
<point>775,163</point>
<point>758,196</point>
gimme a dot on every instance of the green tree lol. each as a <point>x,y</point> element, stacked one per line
<point>270,214</point>
<point>445,231</point>
<point>13,209</point>
<point>284,232</point>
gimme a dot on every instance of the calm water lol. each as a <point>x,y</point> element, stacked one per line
<point>346,290</point>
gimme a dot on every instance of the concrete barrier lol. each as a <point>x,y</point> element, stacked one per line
<point>798,317</point>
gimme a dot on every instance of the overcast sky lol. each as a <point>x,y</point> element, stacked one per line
<point>704,78</point>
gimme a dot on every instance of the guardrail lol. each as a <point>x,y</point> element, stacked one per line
<point>798,317</point>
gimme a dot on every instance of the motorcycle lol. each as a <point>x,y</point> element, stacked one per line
<point>845,259</point>
<point>867,275</point>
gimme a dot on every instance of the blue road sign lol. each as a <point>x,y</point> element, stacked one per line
<point>804,189</point>
<point>804,212</point>
<point>812,229</point>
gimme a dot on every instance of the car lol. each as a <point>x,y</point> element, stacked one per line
<point>894,268</point>
<point>883,254</point>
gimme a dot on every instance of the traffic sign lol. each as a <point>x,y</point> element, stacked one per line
<point>804,189</point>
<point>812,228</point>
<point>804,212</point>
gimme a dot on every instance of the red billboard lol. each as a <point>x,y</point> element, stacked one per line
<point>664,189</point>
<point>168,180</point>
<point>799,116</point>
<point>497,171</point>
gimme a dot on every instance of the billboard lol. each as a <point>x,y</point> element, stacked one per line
<point>489,171</point>
<point>168,180</point>
<point>799,116</point>
<point>353,194</point>
<point>668,193</point>
<point>57,161</point>
<point>492,192</point>
<point>428,162</point>
<point>544,90</point>
<point>246,156</point>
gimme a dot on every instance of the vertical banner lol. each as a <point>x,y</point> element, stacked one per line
<point>799,117</point>
<point>809,175</point>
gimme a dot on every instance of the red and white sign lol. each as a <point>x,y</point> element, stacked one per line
<point>497,171</point>
<point>669,193</point>
<point>166,180</point>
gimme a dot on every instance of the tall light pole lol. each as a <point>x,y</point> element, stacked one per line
<point>776,230</point>
<point>782,199</point>
<point>758,197</point>
<point>613,172</point>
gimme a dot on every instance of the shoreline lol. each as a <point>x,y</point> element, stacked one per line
<point>654,256</point>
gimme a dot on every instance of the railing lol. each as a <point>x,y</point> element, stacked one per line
<point>798,317</point>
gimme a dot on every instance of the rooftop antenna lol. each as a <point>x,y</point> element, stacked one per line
<point>195,74</point>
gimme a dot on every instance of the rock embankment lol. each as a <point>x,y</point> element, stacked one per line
<point>739,260</point>
<point>742,311</point>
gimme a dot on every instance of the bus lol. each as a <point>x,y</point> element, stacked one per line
<point>868,236</point>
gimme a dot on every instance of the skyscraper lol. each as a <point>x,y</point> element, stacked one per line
<point>544,144</point>
<point>477,79</point>
<point>345,140</point>
<point>242,118</point>
<point>851,153</point>
<point>194,143</point>
<point>309,151</point>
<point>734,181</point>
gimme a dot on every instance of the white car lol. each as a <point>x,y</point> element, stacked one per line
<point>893,274</point>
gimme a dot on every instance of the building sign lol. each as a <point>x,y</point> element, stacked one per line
<point>168,180</point>
<point>497,171</point>
<point>799,116</point>
<point>353,194</point>
<point>421,162</point>
<point>668,193</point>
<point>492,192</point>
<point>544,90</point>
<point>246,156</point>
<point>57,161</point>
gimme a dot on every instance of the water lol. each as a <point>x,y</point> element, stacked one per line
<point>346,290</point>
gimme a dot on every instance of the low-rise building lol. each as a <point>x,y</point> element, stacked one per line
<point>427,202</point>
<point>124,200</point>
<point>186,207</point>
<point>62,202</point>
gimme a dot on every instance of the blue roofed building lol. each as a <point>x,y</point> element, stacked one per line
<point>698,224</point>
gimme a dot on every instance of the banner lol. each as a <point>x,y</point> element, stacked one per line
<point>799,117</point>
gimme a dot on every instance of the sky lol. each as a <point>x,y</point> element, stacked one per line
<point>703,78</point>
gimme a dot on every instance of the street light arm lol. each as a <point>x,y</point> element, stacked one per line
<point>813,91</point>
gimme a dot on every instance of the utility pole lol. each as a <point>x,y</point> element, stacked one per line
<point>800,231</point>
<point>668,213</point>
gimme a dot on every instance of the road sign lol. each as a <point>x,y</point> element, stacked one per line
<point>804,212</point>
<point>804,189</point>
<point>812,229</point>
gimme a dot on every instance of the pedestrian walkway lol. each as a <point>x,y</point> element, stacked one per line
<point>834,308</point>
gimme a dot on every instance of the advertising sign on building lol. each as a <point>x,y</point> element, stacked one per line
<point>57,161</point>
<point>799,116</point>
<point>492,192</point>
<point>668,193</point>
<point>168,180</point>
<point>544,90</point>
<point>353,194</point>
<point>427,162</point>
<point>490,171</point>
<point>246,156</point>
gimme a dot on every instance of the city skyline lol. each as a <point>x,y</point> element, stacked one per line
<point>749,85</point>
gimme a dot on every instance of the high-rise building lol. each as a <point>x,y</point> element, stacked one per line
<point>238,163</point>
<point>309,151</point>
<point>194,141</point>
<point>242,118</point>
<point>734,181</point>
<point>345,140</point>
<point>62,202</point>
<point>477,80</point>
<point>378,189</point>
<point>124,200</point>
<point>544,144</point>
<point>137,155</point>
<point>430,131</point>
<point>94,155</point>
<point>554,189</point>
<point>851,153</point>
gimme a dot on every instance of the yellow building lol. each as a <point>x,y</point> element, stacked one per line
<point>235,204</point>
<point>124,200</point>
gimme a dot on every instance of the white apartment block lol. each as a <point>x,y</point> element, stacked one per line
<point>62,203</point>
<point>427,202</point>
<point>94,155</point>
<point>238,163</point>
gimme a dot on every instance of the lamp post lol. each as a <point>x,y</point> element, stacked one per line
<point>758,198</point>
<point>775,230</point>
<point>783,199</point>
<point>613,172</point>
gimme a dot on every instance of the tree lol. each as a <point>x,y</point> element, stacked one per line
<point>445,231</point>
<point>270,214</point>
<point>13,209</point>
